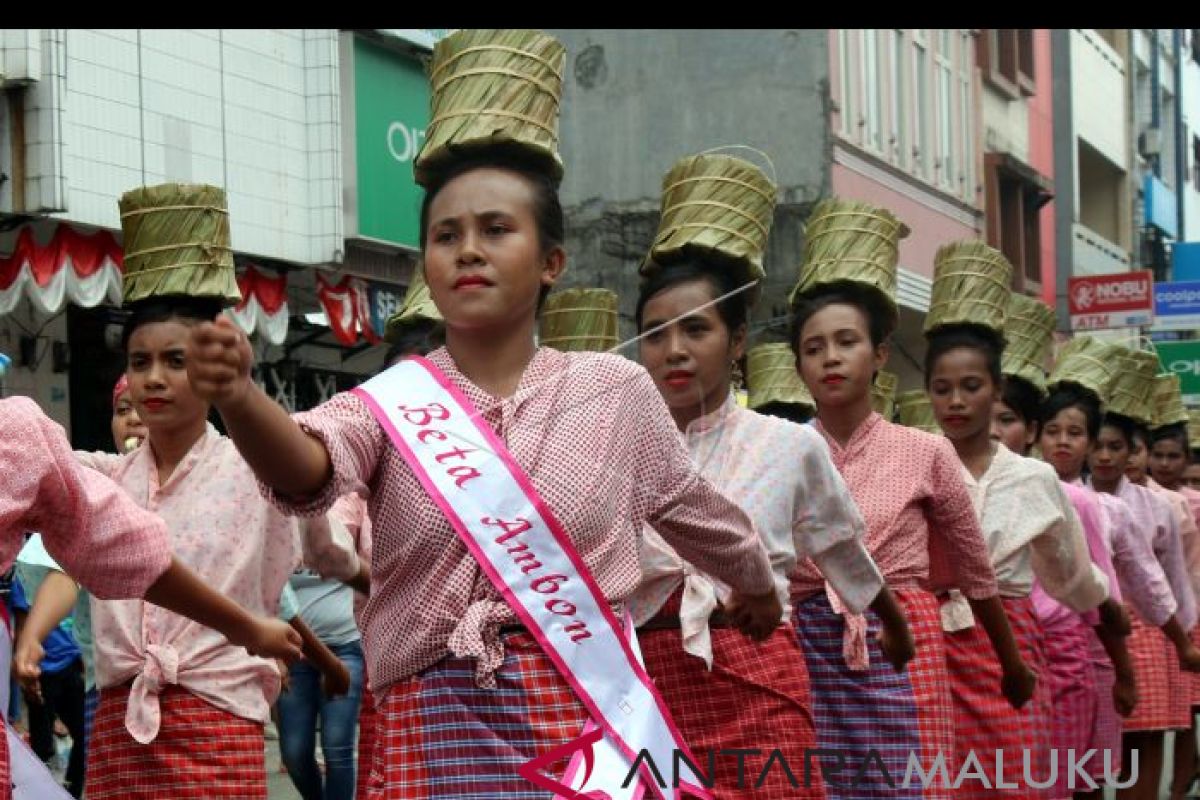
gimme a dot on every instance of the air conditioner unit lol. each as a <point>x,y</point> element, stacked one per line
<point>20,56</point>
<point>1150,142</point>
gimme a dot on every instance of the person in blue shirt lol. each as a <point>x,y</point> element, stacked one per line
<point>59,691</point>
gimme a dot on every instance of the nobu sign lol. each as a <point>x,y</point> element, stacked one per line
<point>1123,300</point>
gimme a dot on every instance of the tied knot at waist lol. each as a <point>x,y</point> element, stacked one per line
<point>160,669</point>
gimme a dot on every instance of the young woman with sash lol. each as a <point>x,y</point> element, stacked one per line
<point>1030,527</point>
<point>908,486</point>
<point>414,330</point>
<point>692,317</point>
<point>509,484</point>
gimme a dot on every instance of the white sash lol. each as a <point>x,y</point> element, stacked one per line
<point>529,558</point>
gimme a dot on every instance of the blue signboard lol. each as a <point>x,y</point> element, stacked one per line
<point>385,300</point>
<point>1177,306</point>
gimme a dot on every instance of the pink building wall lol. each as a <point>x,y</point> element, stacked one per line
<point>930,229</point>
<point>1041,152</point>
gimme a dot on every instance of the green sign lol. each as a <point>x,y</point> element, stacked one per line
<point>1182,358</point>
<point>391,110</point>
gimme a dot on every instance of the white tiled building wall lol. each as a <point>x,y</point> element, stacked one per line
<point>255,111</point>
<point>1099,96</point>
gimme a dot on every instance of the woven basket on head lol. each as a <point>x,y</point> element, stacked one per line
<point>417,307</point>
<point>1029,333</point>
<point>717,206</point>
<point>972,283</point>
<point>493,90</point>
<point>176,240</point>
<point>883,394</point>
<point>1088,362</point>
<point>771,377</point>
<point>1131,390</point>
<point>846,240</point>
<point>914,410</point>
<point>1168,401</point>
<point>1193,429</point>
<point>580,319</point>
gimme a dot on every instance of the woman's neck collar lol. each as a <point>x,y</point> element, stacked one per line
<point>493,359</point>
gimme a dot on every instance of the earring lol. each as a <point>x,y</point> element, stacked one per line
<point>738,379</point>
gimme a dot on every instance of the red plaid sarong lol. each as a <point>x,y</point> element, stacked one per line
<point>200,753</point>
<point>441,737</point>
<point>1108,725</point>
<point>756,697</point>
<point>1159,679</point>
<point>985,723</point>
<point>368,720</point>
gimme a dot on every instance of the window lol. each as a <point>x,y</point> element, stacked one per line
<point>966,174</point>
<point>899,121</point>
<point>844,82</point>
<point>1005,56</point>
<point>922,147</point>
<point>945,117</point>
<point>872,92</point>
<point>1015,196</point>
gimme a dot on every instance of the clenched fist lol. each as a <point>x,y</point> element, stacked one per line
<point>218,362</point>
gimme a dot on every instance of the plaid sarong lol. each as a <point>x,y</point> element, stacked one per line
<point>985,723</point>
<point>878,714</point>
<point>1160,684</point>
<point>442,737</point>
<point>756,697</point>
<point>200,753</point>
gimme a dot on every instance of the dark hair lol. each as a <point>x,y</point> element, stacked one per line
<point>1069,395</point>
<point>793,412</point>
<point>1023,398</point>
<point>1127,427</point>
<point>945,338</point>
<point>732,310</point>
<point>168,308</point>
<point>1176,432</point>
<point>881,318</point>
<point>418,337</point>
<point>547,208</point>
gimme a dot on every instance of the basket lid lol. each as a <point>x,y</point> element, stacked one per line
<point>1029,333</point>
<point>1167,399</point>
<point>579,320</point>
<point>914,410</point>
<point>716,206</point>
<point>417,307</point>
<point>883,394</point>
<point>176,241</point>
<point>855,242</point>
<point>1087,362</point>
<point>1131,390</point>
<point>972,284</point>
<point>493,91</point>
<point>771,377</point>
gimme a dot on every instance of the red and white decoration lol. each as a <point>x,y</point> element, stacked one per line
<point>73,267</point>
<point>264,305</point>
<point>86,269</point>
<point>348,307</point>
